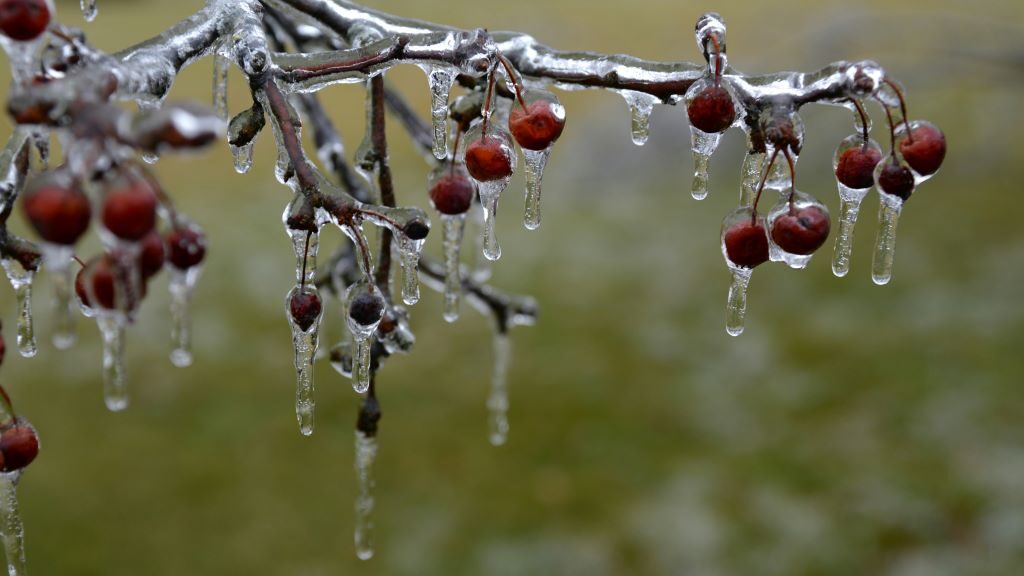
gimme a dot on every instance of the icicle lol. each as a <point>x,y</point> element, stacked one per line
<point>454,226</point>
<point>535,161</point>
<point>482,266</point>
<point>489,195</point>
<point>57,259</point>
<point>13,531</point>
<point>753,165</point>
<point>497,401</point>
<point>885,244</point>
<point>305,344</point>
<point>849,207</point>
<point>641,105</point>
<point>181,285</point>
<point>243,157</point>
<point>41,140</point>
<point>341,359</point>
<point>361,366</point>
<point>440,79</point>
<point>89,10</point>
<point>736,307</point>
<point>703,145</point>
<point>221,66</point>
<point>409,252</point>
<point>115,386</point>
<point>366,303</point>
<point>21,280</point>
<point>149,104</point>
<point>366,454</point>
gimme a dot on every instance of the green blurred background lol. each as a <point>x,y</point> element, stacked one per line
<point>851,430</point>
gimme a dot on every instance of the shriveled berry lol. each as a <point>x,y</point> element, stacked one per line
<point>801,231</point>
<point>151,257</point>
<point>746,244</point>
<point>712,110</point>
<point>186,247</point>
<point>487,159</point>
<point>924,149</point>
<point>129,208</point>
<point>856,167</point>
<point>305,307</point>
<point>896,179</point>
<point>452,193</point>
<point>24,19</point>
<point>20,446</point>
<point>58,210</point>
<point>366,309</point>
<point>538,125</point>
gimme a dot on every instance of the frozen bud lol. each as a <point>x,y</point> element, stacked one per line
<point>246,125</point>
<point>176,126</point>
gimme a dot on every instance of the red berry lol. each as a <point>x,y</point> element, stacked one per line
<point>186,247</point>
<point>19,446</point>
<point>896,179</point>
<point>57,209</point>
<point>305,307</point>
<point>539,125</point>
<point>801,231</point>
<point>129,208</point>
<point>712,110</point>
<point>452,193</point>
<point>856,167</point>
<point>151,257</point>
<point>95,283</point>
<point>924,149</point>
<point>746,244</point>
<point>488,159</point>
<point>24,19</point>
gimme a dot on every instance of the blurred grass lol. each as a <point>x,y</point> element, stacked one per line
<point>851,430</point>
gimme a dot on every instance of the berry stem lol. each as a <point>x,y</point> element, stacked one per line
<point>760,186</point>
<point>487,103</point>
<point>305,258</point>
<point>718,59</point>
<point>892,132</point>
<point>792,177</point>
<point>455,149</point>
<point>863,120</point>
<point>8,407</point>
<point>903,107</point>
<point>510,70</point>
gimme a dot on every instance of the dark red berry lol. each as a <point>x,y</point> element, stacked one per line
<point>305,307</point>
<point>95,283</point>
<point>856,167</point>
<point>712,110</point>
<point>538,126</point>
<point>3,349</point>
<point>186,247</point>
<point>129,208</point>
<point>416,228</point>
<point>487,159</point>
<point>924,149</point>
<point>151,257</point>
<point>746,244</point>
<point>19,446</point>
<point>896,179</point>
<point>366,309</point>
<point>801,231</point>
<point>24,19</point>
<point>452,194</point>
<point>58,211</point>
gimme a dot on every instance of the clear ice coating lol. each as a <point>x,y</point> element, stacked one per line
<point>89,10</point>
<point>783,207</point>
<point>703,146</point>
<point>22,56</point>
<point>535,161</point>
<point>440,79</point>
<point>181,286</point>
<point>11,528</point>
<point>362,334</point>
<point>409,255</point>
<point>57,259</point>
<point>115,385</point>
<point>497,399</point>
<point>490,190</point>
<point>885,243</point>
<point>641,105</point>
<point>21,280</point>
<point>850,200</point>
<point>454,226</point>
<point>366,454</point>
<point>305,344</point>
<point>221,67</point>
<point>736,305</point>
<point>242,156</point>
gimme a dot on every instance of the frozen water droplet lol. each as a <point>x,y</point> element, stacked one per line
<point>482,266</point>
<point>221,66</point>
<point>11,528</point>
<point>115,385</point>
<point>181,285</point>
<point>366,454</point>
<point>243,157</point>
<point>21,280</point>
<point>57,259</point>
<point>885,243</point>
<point>490,193</point>
<point>409,253</point>
<point>454,226</point>
<point>497,400</point>
<point>89,10</point>
<point>640,107</point>
<point>703,146</point>
<point>849,207</point>
<point>304,344</point>
<point>440,79</point>
<point>736,306</point>
<point>535,161</point>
